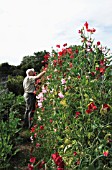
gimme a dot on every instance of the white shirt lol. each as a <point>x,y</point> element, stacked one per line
<point>29,84</point>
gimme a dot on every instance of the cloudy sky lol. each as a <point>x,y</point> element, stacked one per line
<point>28,26</point>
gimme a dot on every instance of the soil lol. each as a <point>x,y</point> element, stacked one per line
<point>21,159</point>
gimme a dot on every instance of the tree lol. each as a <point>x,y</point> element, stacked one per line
<point>34,61</point>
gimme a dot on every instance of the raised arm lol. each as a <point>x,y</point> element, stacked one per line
<point>40,75</point>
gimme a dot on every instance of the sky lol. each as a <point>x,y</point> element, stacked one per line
<point>28,26</point>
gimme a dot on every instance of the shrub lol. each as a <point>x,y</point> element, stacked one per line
<point>8,138</point>
<point>15,85</point>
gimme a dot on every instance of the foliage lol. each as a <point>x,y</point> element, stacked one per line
<point>8,138</point>
<point>15,84</point>
<point>6,101</point>
<point>73,120</point>
<point>19,107</point>
<point>12,110</point>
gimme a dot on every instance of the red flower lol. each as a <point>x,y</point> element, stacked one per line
<point>60,53</point>
<point>102,70</point>
<point>40,165</point>
<point>77,114</point>
<point>69,50</point>
<point>106,106</point>
<point>54,62</point>
<point>50,120</point>
<point>76,51</point>
<point>88,30</point>
<point>58,46</point>
<point>75,153</point>
<point>41,127</point>
<point>58,160</point>
<point>93,30</point>
<point>46,57</point>
<point>93,73</point>
<point>64,45</point>
<point>78,76</point>
<point>60,169</point>
<point>98,43</point>
<point>70,65</point>
<point>38,145</point>
<point>55,155</point>
<point>72,56</point>
<point>88,111</point>
<point>32,160</point>
<point>105,153</point>
<point>32,129</point>
<point>30,167</point>
<point>79,31</point>
<point>92,106</point>
<point>86,25</point>
<point>102,62</point>
<point>97,68</point>
<point>78,162</point>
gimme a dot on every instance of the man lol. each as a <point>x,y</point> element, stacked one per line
<point>29,96</point>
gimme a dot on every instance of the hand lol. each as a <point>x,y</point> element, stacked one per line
<point>45,69</point>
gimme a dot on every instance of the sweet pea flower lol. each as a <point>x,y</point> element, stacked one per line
<point>32,160</point>
<point>63,81</point>
<point>105,153</point>
<point>60,95</point>
<point>30,167</point>
<point>38,145</point>
<point>40,104</point>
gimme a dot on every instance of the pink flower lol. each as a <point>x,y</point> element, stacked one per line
<point>39,104</point>
<point>44,91</point>
<point>35,135</point>
<point>60,95</point>
<point>63,81</point>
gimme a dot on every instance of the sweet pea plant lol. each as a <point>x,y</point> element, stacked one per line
<point>73,119</point>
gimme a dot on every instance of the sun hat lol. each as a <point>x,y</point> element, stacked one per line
<point>27,71</point>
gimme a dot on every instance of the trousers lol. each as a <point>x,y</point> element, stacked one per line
<point>30,99</point>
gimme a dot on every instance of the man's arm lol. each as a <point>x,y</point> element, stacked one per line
<point>40,75</point>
